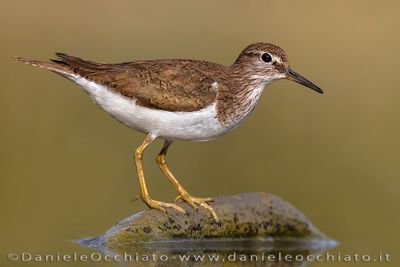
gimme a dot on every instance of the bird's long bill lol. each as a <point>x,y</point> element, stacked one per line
<point>294,76</point>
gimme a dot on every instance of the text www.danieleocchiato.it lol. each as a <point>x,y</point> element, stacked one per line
<point>197,257</point>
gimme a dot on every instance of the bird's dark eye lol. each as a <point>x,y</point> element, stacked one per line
<point>266,57</point>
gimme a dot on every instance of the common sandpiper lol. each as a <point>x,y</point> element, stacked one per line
<point>177,99</point>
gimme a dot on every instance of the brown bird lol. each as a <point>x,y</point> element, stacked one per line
<point>177,99</point>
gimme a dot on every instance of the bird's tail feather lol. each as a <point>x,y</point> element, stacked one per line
<point>67,65</point>
<point>56,66</point>
<point>76,61</point>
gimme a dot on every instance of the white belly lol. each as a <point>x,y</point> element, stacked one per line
<point>198,125</point>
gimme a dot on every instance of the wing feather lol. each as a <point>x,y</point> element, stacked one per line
<point>173,85</point>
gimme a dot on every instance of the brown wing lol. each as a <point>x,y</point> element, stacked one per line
<point>174,85</point>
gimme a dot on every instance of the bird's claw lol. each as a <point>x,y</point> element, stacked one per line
<point>162,206</point>
<point>197,201</point>
<point>207,199</point>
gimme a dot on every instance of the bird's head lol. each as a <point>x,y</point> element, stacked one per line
<point>267,62</point>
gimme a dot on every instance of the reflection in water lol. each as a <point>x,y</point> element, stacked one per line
<point>217,252</point>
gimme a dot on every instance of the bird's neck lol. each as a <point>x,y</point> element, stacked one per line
<point>237,100</point>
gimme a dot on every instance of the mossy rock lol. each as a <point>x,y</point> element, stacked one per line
<point>246,216</point>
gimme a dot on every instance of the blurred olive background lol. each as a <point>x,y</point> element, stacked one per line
<point>66,167</point>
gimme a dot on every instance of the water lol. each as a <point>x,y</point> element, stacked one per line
<point>183,252</point>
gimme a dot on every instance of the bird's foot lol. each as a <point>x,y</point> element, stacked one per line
<point>180,197</point>
<point>197,201</point>
<point>154,204</point>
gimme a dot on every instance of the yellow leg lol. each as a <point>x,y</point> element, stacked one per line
<point>183,194</point>
<point>143,188</point>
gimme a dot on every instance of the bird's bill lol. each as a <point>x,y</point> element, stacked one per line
<point>294,76</point>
